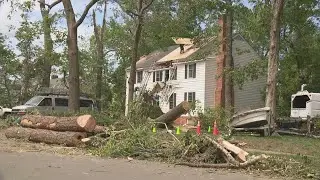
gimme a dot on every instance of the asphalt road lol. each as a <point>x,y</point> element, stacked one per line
<point>45,166</point>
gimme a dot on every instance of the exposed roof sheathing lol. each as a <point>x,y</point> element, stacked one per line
<point>148,60</point>
<point>176,55</point>
<point>183,41</point>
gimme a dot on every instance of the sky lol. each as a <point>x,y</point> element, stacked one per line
<point>85,29</point>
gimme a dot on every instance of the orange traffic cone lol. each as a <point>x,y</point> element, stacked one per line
<point>215,129</point>
<point>198,128</point>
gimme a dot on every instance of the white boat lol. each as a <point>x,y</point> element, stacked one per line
<point>251,119</point>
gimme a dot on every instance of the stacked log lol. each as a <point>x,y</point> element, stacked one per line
<point>67,131</point>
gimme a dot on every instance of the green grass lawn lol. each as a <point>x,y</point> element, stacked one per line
<point>303,156</point>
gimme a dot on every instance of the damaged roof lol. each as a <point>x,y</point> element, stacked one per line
<point>148,60</point>
<point>172,53</point>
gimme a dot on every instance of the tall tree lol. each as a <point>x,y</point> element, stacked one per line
<point>48,43</point>
<point>138,14</point>
<point>72,42</point>
<point>277,8</point>
<point>8,68</point>
<point>229,65</point>
<point>26,34</point>
<point>99,37</point>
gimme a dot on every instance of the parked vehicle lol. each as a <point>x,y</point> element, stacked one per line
<point>4,112</point>
<point>52,103</point>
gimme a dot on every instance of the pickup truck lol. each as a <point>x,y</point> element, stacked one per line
<point>4,112</point>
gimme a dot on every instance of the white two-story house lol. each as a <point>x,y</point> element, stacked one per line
<point>184,77</point>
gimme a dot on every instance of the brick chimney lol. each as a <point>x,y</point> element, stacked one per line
<point>220,60</point>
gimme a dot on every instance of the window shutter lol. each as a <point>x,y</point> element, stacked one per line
<point>136,78</point>
<point>154,76</point>
<point>194,70</point>
<point>175,73</point>
<point>185,96</point>
<point>161,75</point>
<point>186,71</point>
<point>194,96</point>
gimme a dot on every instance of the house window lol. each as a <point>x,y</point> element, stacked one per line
<point>173,101</point>
<point>139,76</point>
<point>174,72</point>
<point>157,76</point>
<point>166,77</point>
<point>190,96</point>
<point>156,100</point>
<point>190,70</point>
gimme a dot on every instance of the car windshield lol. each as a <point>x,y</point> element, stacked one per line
<point>34,101</point>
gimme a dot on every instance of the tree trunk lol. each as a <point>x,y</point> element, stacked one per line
<point>100,53</point>
<point>134,59</point>
<point>85,123</point>
<point>273,59</point>
<point>72,41</point>
<point>48,45</point>
<point>174,113</point>
<point>46,136</point>
<point>229,65</point>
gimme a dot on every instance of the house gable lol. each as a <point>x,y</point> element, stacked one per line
<point>250,95</point>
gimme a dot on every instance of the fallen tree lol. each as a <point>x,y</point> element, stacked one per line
<point>46,136</point>
<point>84,123</point>
<point>174,113</point>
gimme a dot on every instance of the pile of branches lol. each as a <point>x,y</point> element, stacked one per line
<point>68,131</point>
<point>189,149</point>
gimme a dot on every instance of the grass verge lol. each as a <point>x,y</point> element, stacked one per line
<point>291,156</point>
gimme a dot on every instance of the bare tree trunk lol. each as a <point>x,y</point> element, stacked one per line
<point>72,41</point>
<point>100,52</point>
<point>229,65</point>
<point>134,57</point>
<point>273,58</point>
<point>48,45</point>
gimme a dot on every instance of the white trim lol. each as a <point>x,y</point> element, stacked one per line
<point>187,62</point>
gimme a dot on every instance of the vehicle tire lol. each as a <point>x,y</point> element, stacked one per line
<point>5,115</point>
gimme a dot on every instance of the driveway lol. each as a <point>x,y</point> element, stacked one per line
<point>46,166</point>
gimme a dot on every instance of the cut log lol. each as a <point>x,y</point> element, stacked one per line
<point>46,136</point>
<point>99,129</point>
<point>85,123</point>
<point>241,154</point>
<point>174,113</point>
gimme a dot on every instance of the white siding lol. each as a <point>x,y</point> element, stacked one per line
<point>181,85</point>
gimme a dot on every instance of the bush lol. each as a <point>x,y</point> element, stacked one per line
<point>220,115</point>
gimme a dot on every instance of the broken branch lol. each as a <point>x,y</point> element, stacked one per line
<point>252,161</point>
<point>225,152</point>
